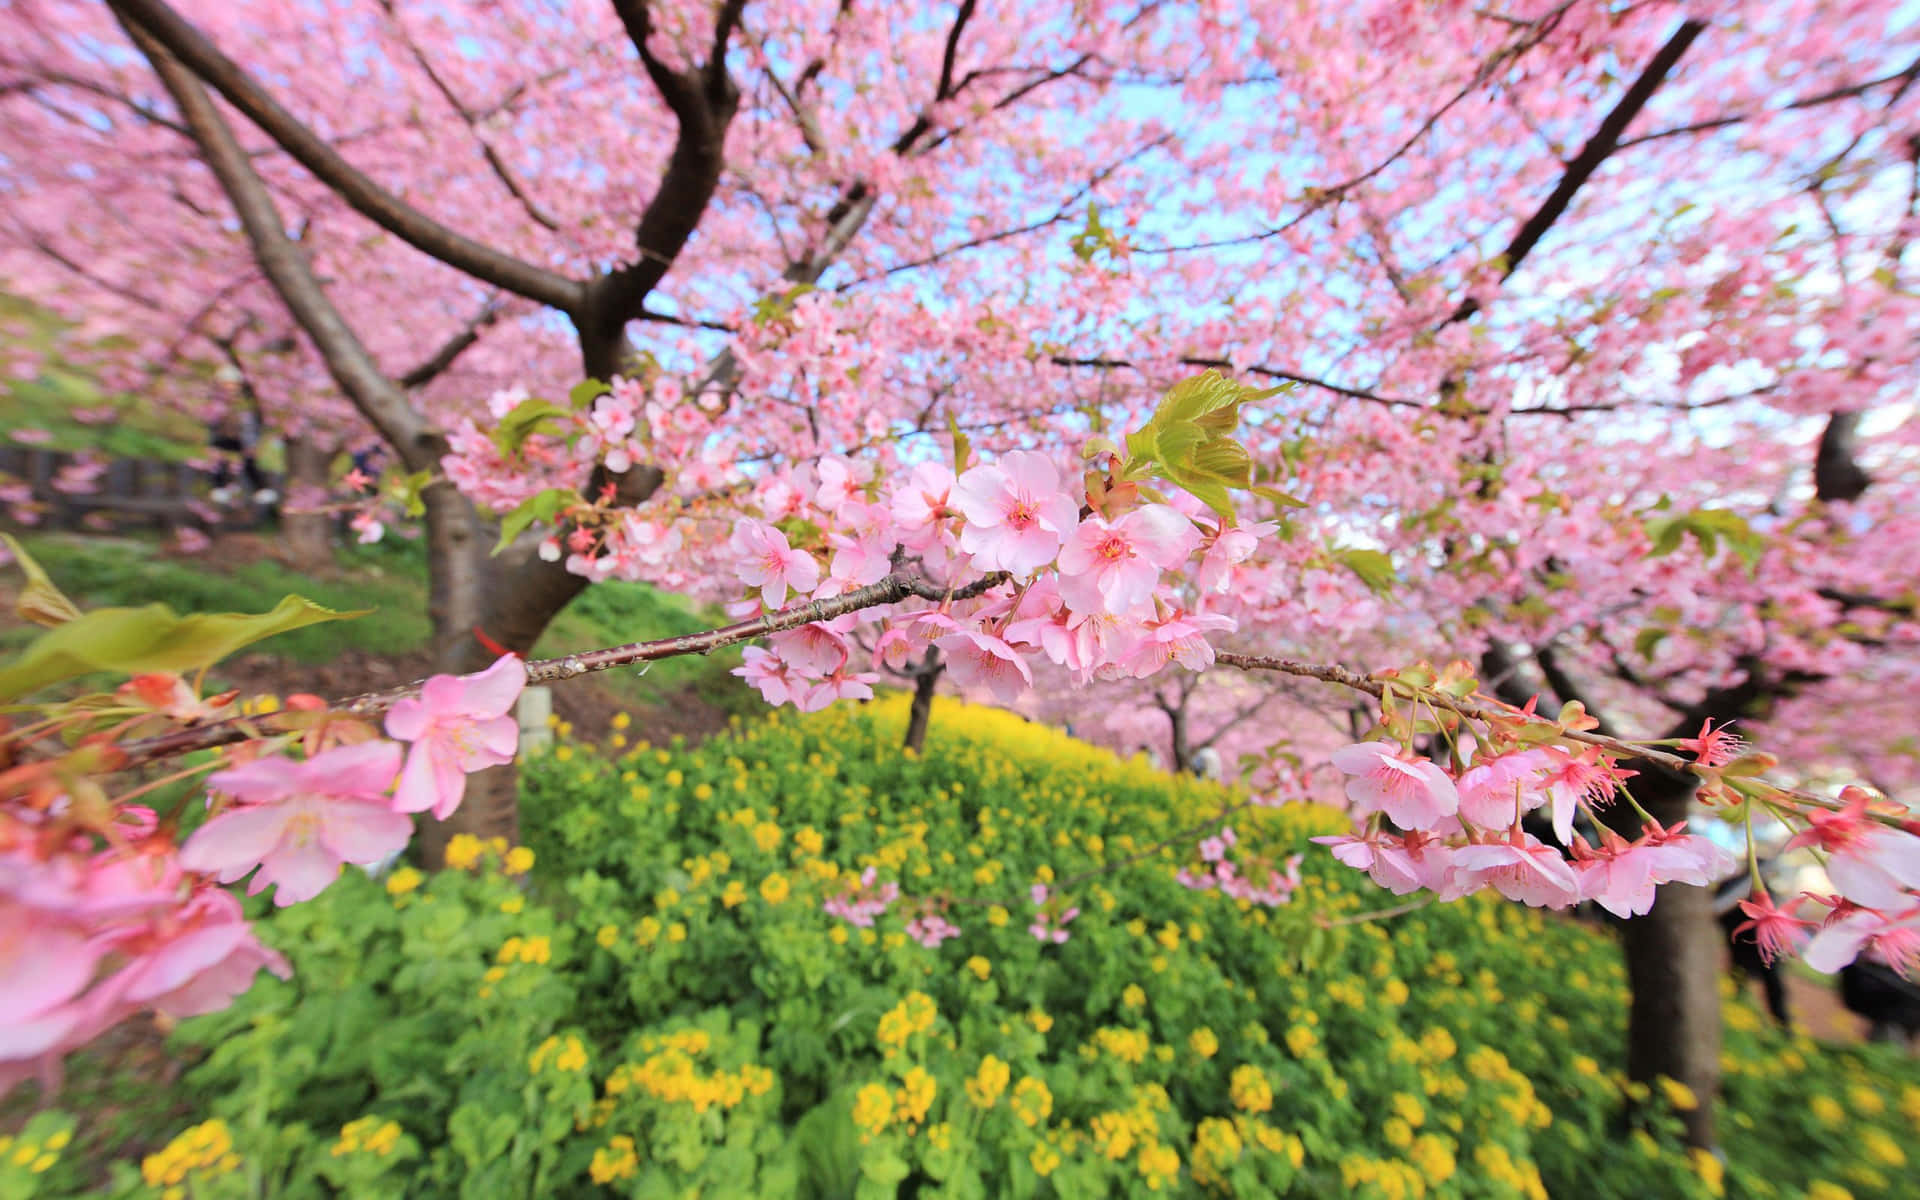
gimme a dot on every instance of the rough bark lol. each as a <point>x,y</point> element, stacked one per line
<point>1674,960</point>
<point>1178,734</point>
<point>307,534</point>
<point>926,680</point>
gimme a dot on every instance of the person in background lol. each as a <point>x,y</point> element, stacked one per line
<point>1206,764</point>
<point>235,439</point>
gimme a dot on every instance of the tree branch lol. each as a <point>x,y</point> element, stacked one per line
<point>1605,140</point>
<point>286,267</point>
<point>192,51</point>
<point>453,347</point>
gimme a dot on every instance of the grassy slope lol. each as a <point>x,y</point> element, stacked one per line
<point>389,579</point>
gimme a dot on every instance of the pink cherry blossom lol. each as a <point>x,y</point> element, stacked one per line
<point>1870,864</point>
<point>1619,877</point>
<point>1851,932</point>
<point>1017,513</point>
<point>1498,793</point>
<point>976,659</point>
<point>930,929</point>
<point>766,561</point>
<point>1414,793</point>
<point>1520,868</point>
<point>458,725</point>
<point>1776,930</point>
<point>765,671</point>
<point>298,821</point>
<point>1112,566</point>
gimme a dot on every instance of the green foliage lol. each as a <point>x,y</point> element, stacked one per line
<point>528,417</point>
<point>1710,527</point>
<point>665,1010</point>
<point>542,506</point>
<point>1189,443</point>
<point>150,638</point>
<point>1374,567</point>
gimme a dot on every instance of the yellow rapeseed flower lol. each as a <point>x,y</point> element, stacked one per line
<point>403,880</point>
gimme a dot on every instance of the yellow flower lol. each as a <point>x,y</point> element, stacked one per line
<point>1301,1040</point>
<point>1044,1159</point>
<point>1678,1094</point>
<point>1157,1165</point>
<point>980,967</point>
<point>463,851</point>
<point>618,1159</point>
<point>873,1109</point>
<point>519,860</point>
<point>620,720</point>
<point>403,881</point>
<point>1827,1110</point>
<point>1133,996</point>
<point>986,1085</point>
<point>809,841</point>
<point>1040,1021</point>
<point>775,888</point>
<point>735,894</point>
<point>1204,1042</point>
<point>677,932</point>
<point>608,935</point>
<point>1032,1101</point>
<point>1250,1090</point>
<point>1711,1170</point>
<point>512,905</point>
<point>916,1096</point>
<point>1882,1149</point>
<point>1820,1189</point>
<point>998,917</point>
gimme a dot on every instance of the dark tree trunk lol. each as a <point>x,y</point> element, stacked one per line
<point>926,680</point>
<point>1674,963</point>
<point>1182,748</point>
<point>308,534</point>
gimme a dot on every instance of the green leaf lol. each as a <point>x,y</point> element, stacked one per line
<point>1374,567</point>
<point>412,487</point>
<point>152,638</point>
<point>523,422</point>
<point>962,445</point>
<point>1648,640</point>
<point>541,506</point>
<point>40,601</point>
<point>583,394</point>
<point>1277,496</point>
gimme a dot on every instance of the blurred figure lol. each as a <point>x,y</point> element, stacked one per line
<point>1890,1003</point>
<point>234,438</point>
<point>1206,763</point>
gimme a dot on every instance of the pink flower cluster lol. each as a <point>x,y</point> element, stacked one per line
<point>1453,836</point>
<point>863,900</point>
<point>98,924</point>
<point>1100,595</point>
<point>1217,869</point>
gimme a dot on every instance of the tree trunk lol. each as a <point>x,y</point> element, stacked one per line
<point>1182,749</point>
<point>307,534</point>
<point>925,680</point>
<point>458,591</point>
<point>1673,967</point>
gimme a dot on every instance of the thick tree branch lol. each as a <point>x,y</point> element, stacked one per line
<point>194,52</point>
<point>703,99</point>
<point>348,361</point>
<point>1605,140</point>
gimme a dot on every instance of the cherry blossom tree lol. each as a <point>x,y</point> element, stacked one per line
<point>1591,326</point>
